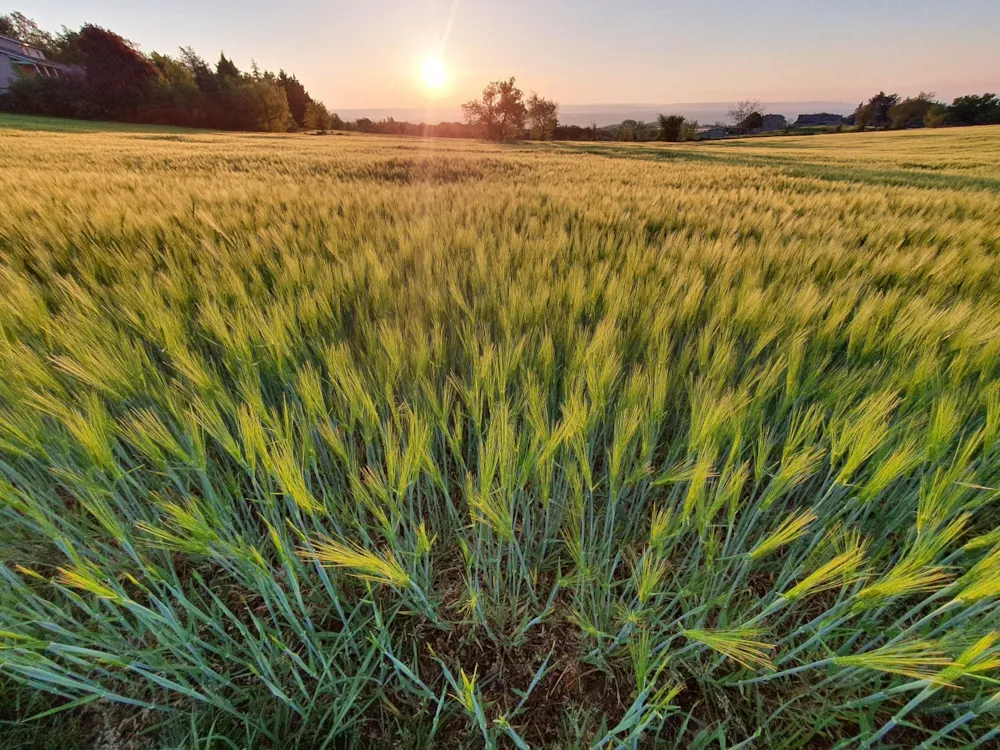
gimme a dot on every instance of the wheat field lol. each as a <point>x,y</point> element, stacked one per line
<point>358,441</point>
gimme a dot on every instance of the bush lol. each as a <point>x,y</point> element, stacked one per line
<point>937,116</point>
<point>65,97</point>
<point>671,127</point>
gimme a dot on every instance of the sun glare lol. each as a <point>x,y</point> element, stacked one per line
<point>433,73</point>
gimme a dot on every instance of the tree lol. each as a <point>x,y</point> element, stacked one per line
<point>753,121</point>
<point>878,108</point>
<point>24,29</point>
<point>670,127</point>
<point>741,111</point>
<point>317,117</point>
<point>174,98</point>
<point>226,70</point>
<point>336,123</point>
<point>863,115</point>
<point>983,109</point>
<point>204,76</point>
<point>937,116</point>
<point>628,130</point>
<point>108,77</point>
<point>260,105</point>
<point>912,111</point>
<point>543,117</point>
<point>689,132</point>
<point>117,76</point>
<point>499,114</point>
<point>298,98</point>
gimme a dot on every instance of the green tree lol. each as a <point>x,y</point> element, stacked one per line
<point>226,70</point>
<point>982,109</point>
<point>175,97</point>
<point>879,108</point>
<point>671,127</point>
<point>499,114</point>
<point>298,98</point>
<point>912,111</point>
<point>257,105</point>
<point>628,130</point>
<point>863,115</point>
<point>272,113</point>
<point>24,29</point>
<point>316,117</point>
<point>204,77</point>
<point>543,117</point>
<point>937,116</point>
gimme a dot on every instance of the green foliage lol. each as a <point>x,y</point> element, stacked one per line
<point>20,27</point>
<point>975,110</point>
<point>671,127</point>
<point>936,116</point>
<point>877,111</point>
<point>298,99</point>
<point>260,105</point>
<point>500,113</point>
<point>113,80</point>
<point>912,112</point>
<point>542,117</point>
<point>352,442</point>
<point>317,117</point>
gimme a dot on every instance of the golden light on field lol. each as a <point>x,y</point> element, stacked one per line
<point>433,74</point>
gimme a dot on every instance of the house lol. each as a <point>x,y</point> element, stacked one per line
<point>822,119</point>
<point>712,133</point>
<point>773,122</point>
<point>19,59</point>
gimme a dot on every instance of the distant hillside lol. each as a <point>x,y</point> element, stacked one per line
<point>607,114</point>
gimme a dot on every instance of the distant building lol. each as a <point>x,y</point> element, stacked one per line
<point>818,120</point>
<point>18,59</point>
<point>712,133</point>
<point>773,122</point>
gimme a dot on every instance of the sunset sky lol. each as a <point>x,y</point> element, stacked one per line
<point>370,53</point>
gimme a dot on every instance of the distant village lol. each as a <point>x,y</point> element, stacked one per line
<point>774,123</point>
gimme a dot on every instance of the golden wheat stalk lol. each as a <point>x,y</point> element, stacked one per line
<point>841,570</point>
<point>921,660</point>
<point>739,644</point>
<point>787,532</point>
<point>359,562</point>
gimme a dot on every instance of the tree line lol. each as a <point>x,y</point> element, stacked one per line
<point>502,112</point>
<point>108,78</point>
<point>890,111</point>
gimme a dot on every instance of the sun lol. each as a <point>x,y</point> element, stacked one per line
<point>433,73</point>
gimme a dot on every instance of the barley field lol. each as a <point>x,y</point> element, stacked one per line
<point>355,441</point>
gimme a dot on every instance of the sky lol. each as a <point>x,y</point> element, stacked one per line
<point>368,54</point>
